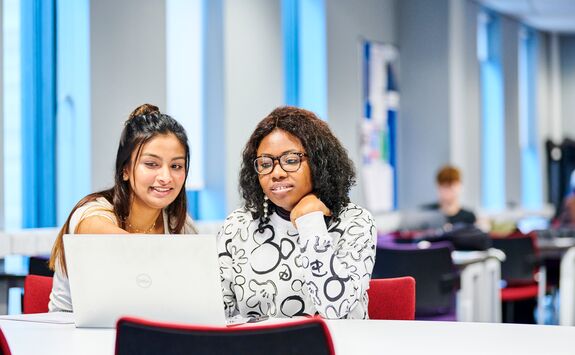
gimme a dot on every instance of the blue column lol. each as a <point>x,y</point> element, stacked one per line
<point>210,202</point>
<point>291,50</point>
<point>531,180</point>
<point>73,146</point>
<point>38,113</point>
<point>493,116</point>
<point>312,57</point>
<point>305,63</point>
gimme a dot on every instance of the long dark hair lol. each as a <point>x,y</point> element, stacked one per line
<point>332,171</point>
<point>144,123</point>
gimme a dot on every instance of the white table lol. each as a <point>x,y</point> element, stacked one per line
<point>349,336</point>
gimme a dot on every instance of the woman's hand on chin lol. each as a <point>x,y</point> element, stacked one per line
<point>308,204</point>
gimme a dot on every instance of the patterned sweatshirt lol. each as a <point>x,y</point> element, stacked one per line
<point>280,271</point>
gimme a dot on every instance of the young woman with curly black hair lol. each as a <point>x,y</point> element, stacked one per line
<point>298,246</point>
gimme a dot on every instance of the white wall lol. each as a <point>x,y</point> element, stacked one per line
<point>348,24</point>
<point>466,149</point>
<point>253,77</point>
<point>424,136</point>
<point>510,61</point>
<point>543,106</point>
<point>127,52</point>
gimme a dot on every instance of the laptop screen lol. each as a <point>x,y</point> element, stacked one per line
<point>172,278</point>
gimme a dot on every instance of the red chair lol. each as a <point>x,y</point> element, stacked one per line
<point>143,337</point>
<point>521,263</point>
<point>36,294</point>
<point>392,298</point>
<point>4,348</point>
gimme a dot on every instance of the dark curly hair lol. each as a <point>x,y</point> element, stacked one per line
<point>332,171</point>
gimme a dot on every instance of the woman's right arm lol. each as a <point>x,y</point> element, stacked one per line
<point>88,219</point>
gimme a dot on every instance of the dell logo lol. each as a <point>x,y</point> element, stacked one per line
<point>143,280</point>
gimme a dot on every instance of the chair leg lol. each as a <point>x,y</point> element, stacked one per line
<point>542,285</point>
<point>509,312</point>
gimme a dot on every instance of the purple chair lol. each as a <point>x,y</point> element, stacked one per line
<point>436,278</point>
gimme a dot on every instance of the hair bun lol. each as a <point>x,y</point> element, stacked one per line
<point>145,109</point>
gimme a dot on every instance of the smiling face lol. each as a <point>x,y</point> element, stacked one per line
<point>158,174</point>
<point>284,189</point>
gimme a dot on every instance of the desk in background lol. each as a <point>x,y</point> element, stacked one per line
<point>349,337</point>
<point>564,249</point>
<point>478,299</point>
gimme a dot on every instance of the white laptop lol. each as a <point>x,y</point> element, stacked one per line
<point>171,278</point>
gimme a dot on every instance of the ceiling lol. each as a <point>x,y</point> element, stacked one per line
<point>546,15</point>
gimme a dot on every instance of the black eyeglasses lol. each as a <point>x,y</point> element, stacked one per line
<point>290,162</point>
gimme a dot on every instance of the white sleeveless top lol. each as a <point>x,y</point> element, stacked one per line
<point>60,299</point>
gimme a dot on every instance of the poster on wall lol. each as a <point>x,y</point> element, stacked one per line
<point>379,126</point>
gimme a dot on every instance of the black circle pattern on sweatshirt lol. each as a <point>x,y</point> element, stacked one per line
<point>270,269</point>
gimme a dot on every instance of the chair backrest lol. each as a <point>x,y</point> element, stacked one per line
<point>142,337</point>
<point>38,265</point>
<point>4,348</point>
<point>520,262</point>
<point>392,298</point>
<point>432,268</point>
<point>36,294</point>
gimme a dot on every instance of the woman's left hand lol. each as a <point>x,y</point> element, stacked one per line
<point>308,204</point>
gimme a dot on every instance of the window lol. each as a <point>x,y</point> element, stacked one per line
<point>45,176</point>
<point>305,72</point>
<point>38,112</point>
<point>11,90</point>
<point>531,183</point>
<point>184,75</point>
<point>188,63</point>
<point>492,112</point>
<point>73,123</point>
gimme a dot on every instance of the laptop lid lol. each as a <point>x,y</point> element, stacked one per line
<point>171,278</point>
<point>421,219</point>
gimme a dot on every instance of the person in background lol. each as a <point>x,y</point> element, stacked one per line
<point>298,246</point>
<point>148,196</point>
<point>566,218</point>
<point>449,187</point>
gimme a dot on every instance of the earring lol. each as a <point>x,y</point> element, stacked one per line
<point>125,176</point>
<point>265,207</point>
